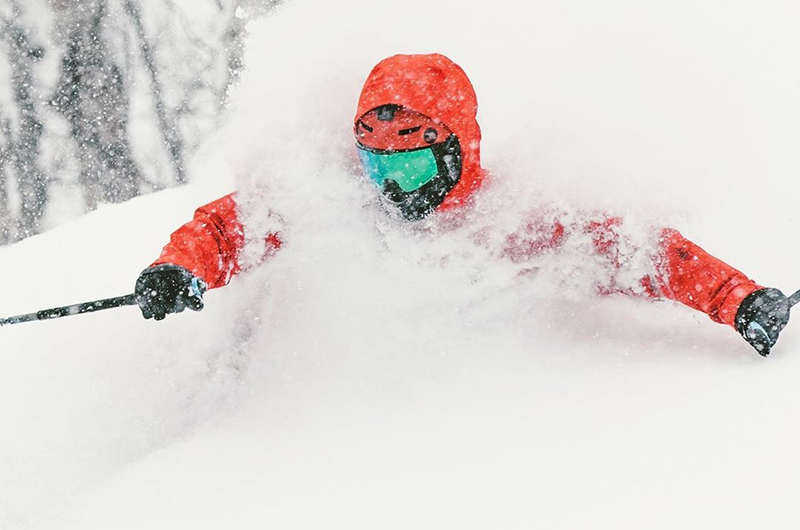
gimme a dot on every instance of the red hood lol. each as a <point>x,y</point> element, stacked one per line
<point>437,87</point>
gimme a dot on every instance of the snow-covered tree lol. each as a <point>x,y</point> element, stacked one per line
<point>102,100</point>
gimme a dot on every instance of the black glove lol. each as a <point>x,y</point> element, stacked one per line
<point>166,289</point>
<point>761,317</point>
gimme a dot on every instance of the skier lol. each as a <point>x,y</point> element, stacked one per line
<point>419,142</point>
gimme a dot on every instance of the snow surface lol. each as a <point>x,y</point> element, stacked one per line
<point>372,376</point>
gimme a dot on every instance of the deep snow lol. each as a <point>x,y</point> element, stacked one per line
<point>372,376</point>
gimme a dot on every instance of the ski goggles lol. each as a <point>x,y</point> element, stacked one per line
<point>409,169</point>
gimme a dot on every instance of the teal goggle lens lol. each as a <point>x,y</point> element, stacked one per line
<point>409,169</point>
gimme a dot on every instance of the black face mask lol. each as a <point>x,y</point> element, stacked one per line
<point>418,204</point>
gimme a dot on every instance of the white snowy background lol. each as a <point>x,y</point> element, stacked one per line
<point>362,379</point>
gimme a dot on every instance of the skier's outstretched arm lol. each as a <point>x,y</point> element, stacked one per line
<point>682,271</point>
<point>690,275</point>
<point>202,254</point>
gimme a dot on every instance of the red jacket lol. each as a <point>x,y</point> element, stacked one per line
<point>209,247</point>
<point>433,85</point>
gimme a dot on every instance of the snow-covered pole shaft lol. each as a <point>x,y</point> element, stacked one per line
<point>76,309</point>
<point>130,299</point>
<point>794,299</point>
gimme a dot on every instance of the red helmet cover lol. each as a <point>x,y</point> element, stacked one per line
<point>435,86</point>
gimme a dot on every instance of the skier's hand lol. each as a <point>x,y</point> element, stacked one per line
<point>166,289</point>
<point>761,317</point>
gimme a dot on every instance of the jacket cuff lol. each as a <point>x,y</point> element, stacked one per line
<point>733,300</point>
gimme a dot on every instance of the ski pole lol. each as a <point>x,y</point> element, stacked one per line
<point>130,299</point>
<point>69,310</point>
<point>794,299</point>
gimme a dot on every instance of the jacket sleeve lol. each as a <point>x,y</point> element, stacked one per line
<point>209,245</point>
<point>681,270</point>
<point>690,275</point>
<point>685,273</point>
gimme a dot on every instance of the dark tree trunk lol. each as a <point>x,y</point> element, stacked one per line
<point>6,223</point>
<point>30,179</point>
<point>167,124</point>
<point>136,89</point>
<point>93,98</point>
